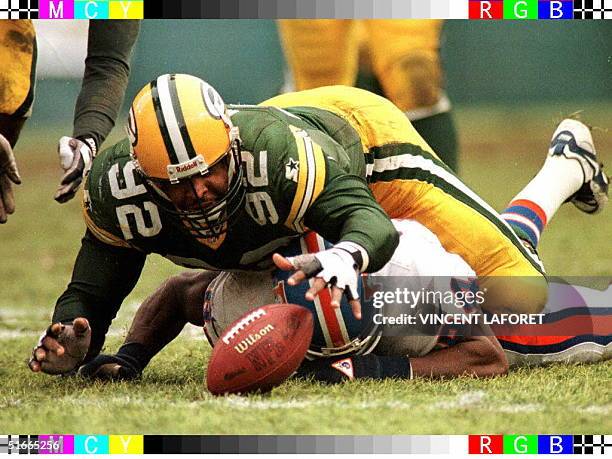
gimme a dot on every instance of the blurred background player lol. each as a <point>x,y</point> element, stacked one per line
<point>17,76</point>
<point>107,70</point>
<point>398,59</point>
<point>105,79</point>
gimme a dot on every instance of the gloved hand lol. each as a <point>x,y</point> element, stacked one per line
<point>8,176</point>
<point>335,267</point>
<point>75,156</point>
<point>61,348</point>
<point>111,368</point>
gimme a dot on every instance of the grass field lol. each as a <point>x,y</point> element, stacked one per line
<point>502,149</point>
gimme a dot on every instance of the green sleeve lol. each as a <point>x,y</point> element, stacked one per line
<point>107,69</point>
<point>101,279</point>
<point>346,211</point>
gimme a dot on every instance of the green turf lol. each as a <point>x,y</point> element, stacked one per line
<point>502,149</point>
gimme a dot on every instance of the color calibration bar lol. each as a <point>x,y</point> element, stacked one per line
<point>305,444</point>
<point>276,9</point>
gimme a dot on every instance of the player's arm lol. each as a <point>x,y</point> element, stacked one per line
<point>159,320</point>
<point>102,277</point>
<point>9,175</point>
<point>480,356</point>
<point>107,70</point>
<point>324,197</point>
<point>335,202</point>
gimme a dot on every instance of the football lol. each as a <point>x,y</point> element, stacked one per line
<point>260,350</point>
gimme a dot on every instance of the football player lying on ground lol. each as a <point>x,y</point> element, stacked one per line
<point>221,189</point>
<point>343,347</point>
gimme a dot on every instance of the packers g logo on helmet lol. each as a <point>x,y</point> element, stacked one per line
<point>178,127</point>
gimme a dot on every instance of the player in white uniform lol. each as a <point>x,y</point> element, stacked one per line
<point>342,346</point>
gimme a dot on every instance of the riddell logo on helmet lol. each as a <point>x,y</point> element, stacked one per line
<point>177,171</point>
<point>185,167</point>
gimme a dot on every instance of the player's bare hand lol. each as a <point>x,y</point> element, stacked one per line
<point>310,265</point>
<point>9,175</point>
<point>61,348</point>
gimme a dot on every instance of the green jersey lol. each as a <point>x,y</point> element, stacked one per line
<point>297,176</point>
<point>304,169</point>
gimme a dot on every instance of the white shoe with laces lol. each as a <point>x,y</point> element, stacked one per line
<point>573,141</point>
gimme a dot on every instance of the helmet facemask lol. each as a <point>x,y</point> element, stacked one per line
<point>208,220</point>
<point>179,129</point>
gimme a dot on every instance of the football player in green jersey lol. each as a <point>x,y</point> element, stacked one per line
<point>217,188</point>
<point>223,188</point>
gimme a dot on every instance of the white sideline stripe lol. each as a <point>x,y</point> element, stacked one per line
<point>462,401</point>
<point>11,314</point>
<point>189,331</point>
<point>35,334</point>
<point>9,311</point>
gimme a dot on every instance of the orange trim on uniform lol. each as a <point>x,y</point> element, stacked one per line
<point>329,315</point>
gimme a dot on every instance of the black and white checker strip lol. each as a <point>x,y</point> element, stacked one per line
<point>18,9</point>
<point>9,444</point>
<point>592,444</point>
<point>592,9</point>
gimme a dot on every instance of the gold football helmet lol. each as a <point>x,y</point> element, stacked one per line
<point>179,127</point>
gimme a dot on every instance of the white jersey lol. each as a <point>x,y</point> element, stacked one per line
<point>419,260</point>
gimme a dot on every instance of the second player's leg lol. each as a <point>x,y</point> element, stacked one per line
<point>405,59</point>
<point>319,52</point>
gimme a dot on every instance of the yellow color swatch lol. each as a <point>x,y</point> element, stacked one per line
<point>126,9</point>
<point>126,444</point>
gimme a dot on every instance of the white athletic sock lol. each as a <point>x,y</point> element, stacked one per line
<point>531,210</point>
<point>558,179</point>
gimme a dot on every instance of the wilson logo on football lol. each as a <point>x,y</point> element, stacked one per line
<point>231,333</point>
<point>253,338</point>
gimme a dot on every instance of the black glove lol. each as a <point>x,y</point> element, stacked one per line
<point>124,365</point>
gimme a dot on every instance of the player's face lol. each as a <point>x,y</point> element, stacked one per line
<point>199,191</point>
